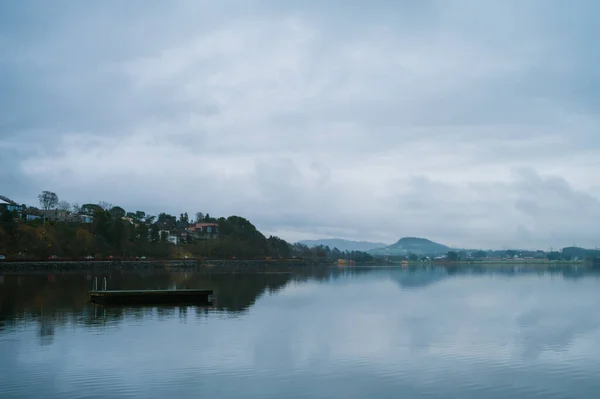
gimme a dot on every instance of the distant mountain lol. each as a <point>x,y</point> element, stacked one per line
<point>412,245</point>
<point>344,245</point>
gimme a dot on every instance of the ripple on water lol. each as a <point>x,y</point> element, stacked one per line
<point>445,341</point>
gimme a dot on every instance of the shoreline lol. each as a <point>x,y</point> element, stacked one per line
<point>192,264</point>
<point>17,266</point>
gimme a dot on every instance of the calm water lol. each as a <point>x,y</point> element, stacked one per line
<point>383,333</point>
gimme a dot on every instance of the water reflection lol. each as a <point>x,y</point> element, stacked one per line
<point>62,298</point>
<point>385,332</point>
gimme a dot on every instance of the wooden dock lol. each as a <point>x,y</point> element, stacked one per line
<point>151,297</point>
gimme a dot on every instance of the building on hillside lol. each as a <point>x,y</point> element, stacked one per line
<point>4,205</point>
<point>84,219</point>
<point>56,215</point>
<point>22,210</point>
<point>205,230</point>
<point>166,225</point>
<point>8,204</point>
<point>166,235</point>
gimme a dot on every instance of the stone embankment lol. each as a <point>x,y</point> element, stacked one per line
<point>179,264</point>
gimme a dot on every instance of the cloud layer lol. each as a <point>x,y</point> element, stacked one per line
<point>471,123</point>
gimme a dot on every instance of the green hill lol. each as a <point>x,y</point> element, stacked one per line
<point>412,245</point>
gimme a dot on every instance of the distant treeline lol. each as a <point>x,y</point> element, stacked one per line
<point>566,254</point>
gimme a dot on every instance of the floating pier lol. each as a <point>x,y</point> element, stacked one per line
<point>149,297</point>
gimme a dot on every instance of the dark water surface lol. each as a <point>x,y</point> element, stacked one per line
<point>321,333</point>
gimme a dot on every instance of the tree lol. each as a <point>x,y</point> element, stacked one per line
<point>48,200</point>
<point>199,217</point>
<point>24,212</point>
<point>7,221</point>
<point>511,253</point>
<point>452,256</point>
<point>83,242</point>
<point>278,247</point>
<point>554,255</point>
<point>64,206</point>
<point>117,212</point>
<point>319,251</point>
<point>105,205</point>
<point>154,234</point>
<point>140,215</point>
<point>109,234</point>
<point>184,218</point>
<point>90,209</point>
<point>164,236</point>
<point>479,254</point>
<point>413,257</point>
<point>166,221</point>
<point>336,253</point>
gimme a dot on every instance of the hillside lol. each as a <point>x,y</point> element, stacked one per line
<point>412,245</point>
<point>344,245</point>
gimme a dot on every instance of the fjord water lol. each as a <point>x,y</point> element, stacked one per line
<point>321,333</point>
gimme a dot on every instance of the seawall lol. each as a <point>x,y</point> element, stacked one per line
<point>178,264</point>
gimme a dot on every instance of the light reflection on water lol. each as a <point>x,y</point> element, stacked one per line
<point>307,334</point>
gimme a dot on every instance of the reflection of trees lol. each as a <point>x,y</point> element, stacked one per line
<point>45,298</point>
<point>46,330</point>
<point>62,299</point>
<point>54,300</point>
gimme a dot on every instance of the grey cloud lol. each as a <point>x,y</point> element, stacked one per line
<point>368,122</point>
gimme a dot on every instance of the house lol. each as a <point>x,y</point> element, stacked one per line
<point>4,204</point>
<point>166,225</point>
<point>57,215</point>
<point>8,204</point>
<point>82,219</point>
<point>166,235</point>
<point>205,230</point>
<point>11,206</point>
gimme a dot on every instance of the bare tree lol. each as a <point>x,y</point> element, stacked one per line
<point>105,205</point>
<point>48,200</point>
<point>76,208</point>
<point>64,206</point>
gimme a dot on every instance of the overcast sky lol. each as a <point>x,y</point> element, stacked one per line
<point>472,123</point>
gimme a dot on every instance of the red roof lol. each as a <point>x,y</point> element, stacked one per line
<point>198,225</point>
